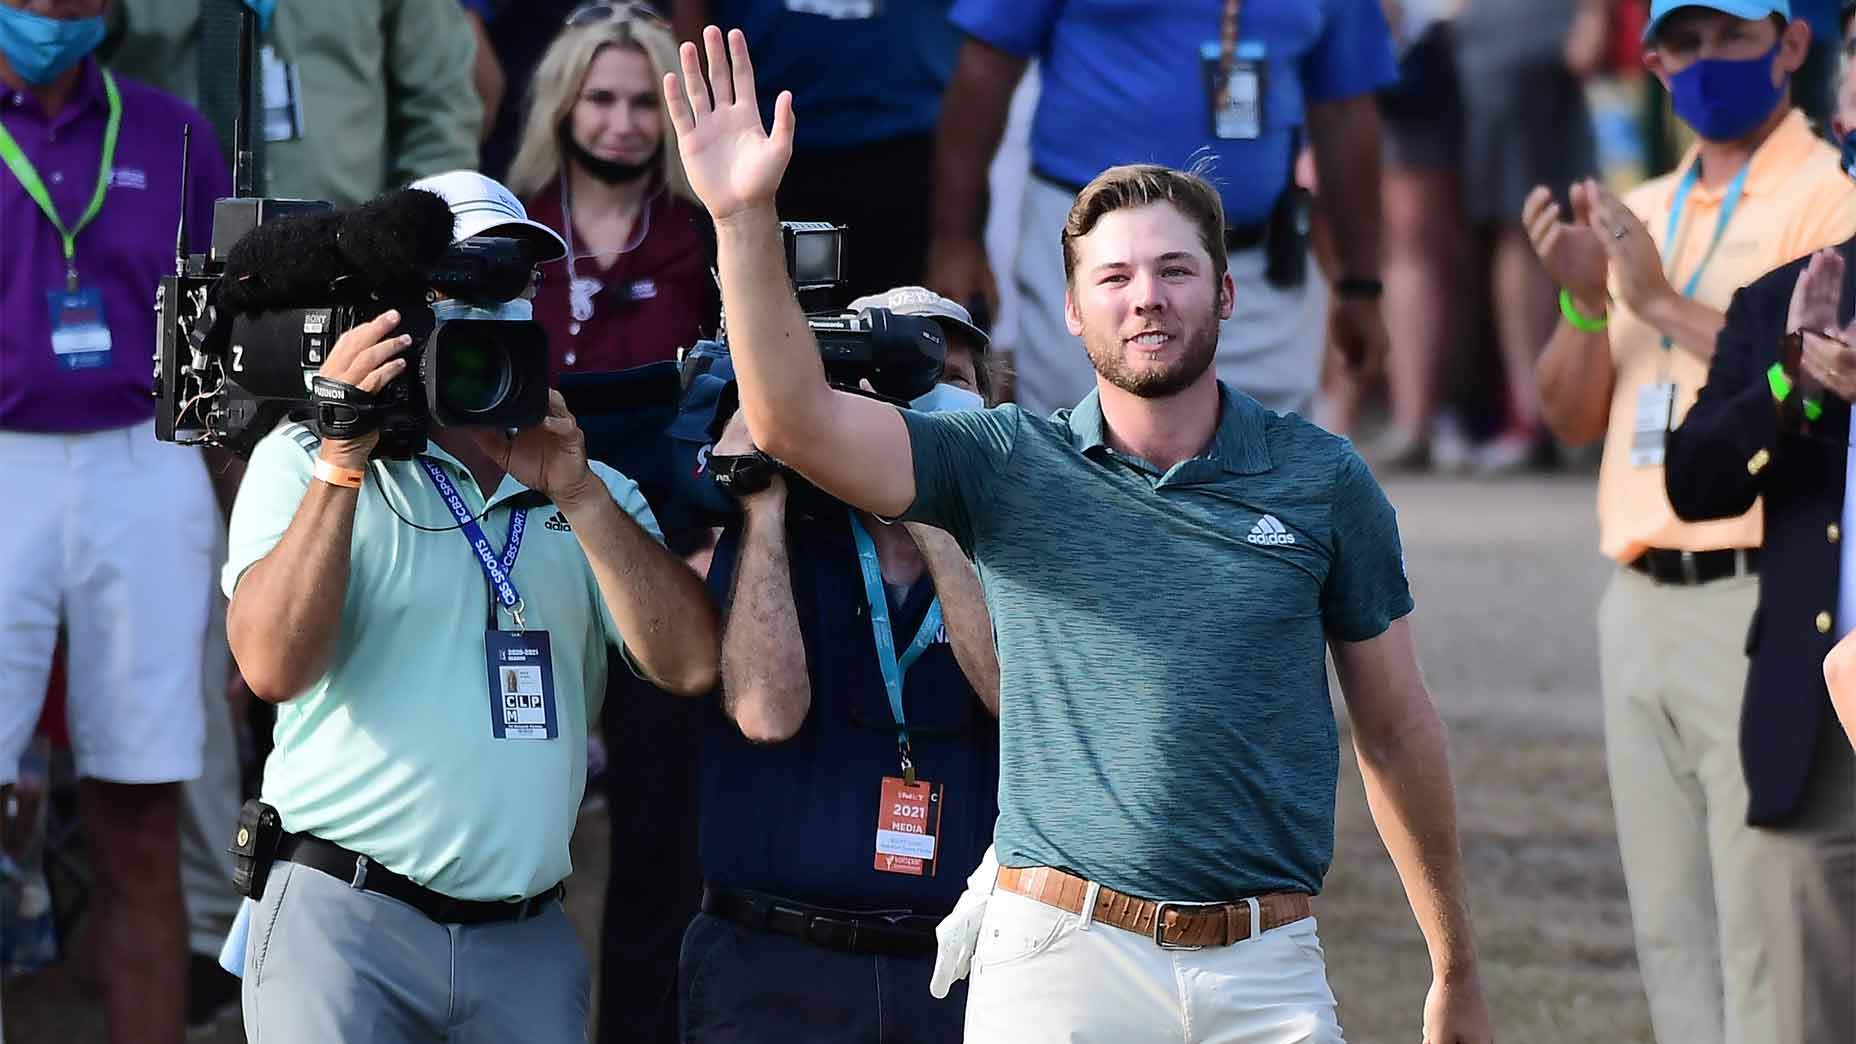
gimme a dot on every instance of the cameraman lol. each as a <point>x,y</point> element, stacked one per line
<point>809,931</point>
<point>425,841</point>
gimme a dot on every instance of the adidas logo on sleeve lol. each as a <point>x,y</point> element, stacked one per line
<point>1270,531</point>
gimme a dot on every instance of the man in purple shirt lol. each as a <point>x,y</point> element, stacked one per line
<point>108,534</point>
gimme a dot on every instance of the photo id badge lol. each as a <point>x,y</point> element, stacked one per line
<point>1656,406</point>
<point>80,337</point>
<point>521,686</point>
<point>908,825</point>
<point>1237,99</point>
<point>283,97</point>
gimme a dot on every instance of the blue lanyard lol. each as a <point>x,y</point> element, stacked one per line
<point>495,569</point>
<point>892,667</point>
<point>1729,204</point>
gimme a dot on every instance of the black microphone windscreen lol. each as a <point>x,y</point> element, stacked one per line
<point>393,241</point>
<point>284,263</point>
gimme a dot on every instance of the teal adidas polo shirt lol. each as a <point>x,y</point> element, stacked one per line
<point>390,753</point>
<point>1166,728</point>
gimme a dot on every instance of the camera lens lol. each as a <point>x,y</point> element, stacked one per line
<point>475,376</point>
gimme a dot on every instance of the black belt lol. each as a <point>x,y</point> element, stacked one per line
<point>360,872</point>
<point>1240,237</point>
<point>905,935</point>
<point>1694,567</point>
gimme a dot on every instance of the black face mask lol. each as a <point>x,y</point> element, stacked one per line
<point>612,172</point>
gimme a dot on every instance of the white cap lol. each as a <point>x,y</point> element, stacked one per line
<point>482,207</point>
<point>916,300</point>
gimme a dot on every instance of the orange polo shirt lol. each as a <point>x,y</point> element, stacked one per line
<point>1796,199</point>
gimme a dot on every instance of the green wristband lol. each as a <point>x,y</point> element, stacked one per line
<point>1781,386</point>
<point>1580,322</point>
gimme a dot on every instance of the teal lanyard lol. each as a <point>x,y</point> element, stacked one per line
<point>893,668</point>
<point>22,169</point>
<point>1729,204</point>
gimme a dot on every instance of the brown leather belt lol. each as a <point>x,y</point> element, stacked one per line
<point>1170,924</point>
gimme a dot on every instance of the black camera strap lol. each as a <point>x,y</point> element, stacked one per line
<point>344,411</point>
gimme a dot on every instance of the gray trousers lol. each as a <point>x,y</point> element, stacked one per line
<point>328,963</point>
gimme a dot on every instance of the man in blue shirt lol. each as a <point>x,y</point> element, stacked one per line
<point>871,74</point>
<point>1167,567</point>
<point>816,926</point>
<point>1244,84</point>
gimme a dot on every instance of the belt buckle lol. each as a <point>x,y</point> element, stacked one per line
<point>820,930</point>
<point>1160,909</point>
<point>1691,573</point>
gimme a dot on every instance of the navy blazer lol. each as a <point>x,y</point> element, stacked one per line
<point>1732,448</point>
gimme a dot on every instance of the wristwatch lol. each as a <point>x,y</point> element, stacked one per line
<point>743,475</point>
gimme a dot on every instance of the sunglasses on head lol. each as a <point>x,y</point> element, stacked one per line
<point>602,11</point>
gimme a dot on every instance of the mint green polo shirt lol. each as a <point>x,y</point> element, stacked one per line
<point>1165,723</point>
<point>390,753</point>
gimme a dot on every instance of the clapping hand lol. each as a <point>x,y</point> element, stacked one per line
<point>1629,248</point>
<point>1570,250</point>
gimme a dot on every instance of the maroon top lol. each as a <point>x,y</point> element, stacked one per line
<point>648,303</point>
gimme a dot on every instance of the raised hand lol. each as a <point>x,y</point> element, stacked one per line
<point>1817,293</point>
<point>733,163</point>
<point>1569,250</point>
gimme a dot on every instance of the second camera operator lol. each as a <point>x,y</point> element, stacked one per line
<point>857,719</point>
<point>426,802</point>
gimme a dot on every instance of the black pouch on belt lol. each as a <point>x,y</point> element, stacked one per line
<point>254,847</point>
<point>1285,238</point>
<point>1285,245</point>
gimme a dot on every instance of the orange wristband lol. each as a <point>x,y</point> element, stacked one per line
<point>337,476</point>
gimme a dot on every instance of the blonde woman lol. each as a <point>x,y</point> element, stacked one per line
<point>599,165</point>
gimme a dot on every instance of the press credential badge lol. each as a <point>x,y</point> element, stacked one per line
<point>80,337</point>
<point>1656,405</point>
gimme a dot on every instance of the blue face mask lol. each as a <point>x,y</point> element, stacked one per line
<point>40,48</point>
<point>1724,99</point>
<point>947,398</point>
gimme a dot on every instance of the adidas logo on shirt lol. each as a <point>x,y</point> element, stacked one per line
<point>559,523</point>
<point>1269,530</point>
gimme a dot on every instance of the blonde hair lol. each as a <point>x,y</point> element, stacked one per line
<point>556,88</point>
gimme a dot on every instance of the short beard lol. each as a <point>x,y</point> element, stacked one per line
<point>1110,360</point>
<point>612,172</point>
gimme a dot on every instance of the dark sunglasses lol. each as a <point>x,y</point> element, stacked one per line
<point>602,11</point>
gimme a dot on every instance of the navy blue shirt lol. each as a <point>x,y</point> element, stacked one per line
<point>798,819</point>
<point>860,71</point>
